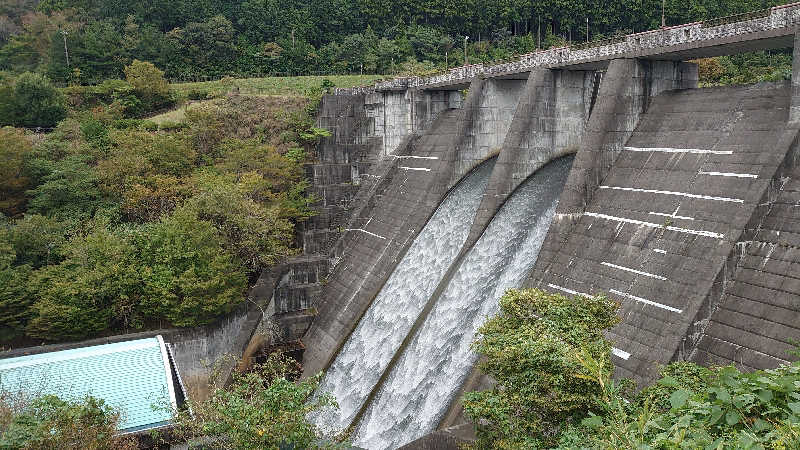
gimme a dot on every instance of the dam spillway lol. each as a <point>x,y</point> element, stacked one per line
<point>680,205</point>
<point>433,366</point>
<point>367,352</point>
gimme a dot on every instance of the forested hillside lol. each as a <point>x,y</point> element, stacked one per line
<point>111,224</point>
<point>87,41</point>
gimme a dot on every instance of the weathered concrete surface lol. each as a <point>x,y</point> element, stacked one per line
<point>451,438</point>
<point>548,122</point>
<point>398,114</point>
<point>753,321</point>
<point>656,231</point>
<point>410,188</point>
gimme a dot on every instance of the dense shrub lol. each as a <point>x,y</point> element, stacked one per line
<point>554,389</point>
<point>31,100</point>
<point>545,352</point>
<point>68,190</point>
<point>261,409</point>
<point>695,407</point>
<point>49,422</point>
<point>186,275</point>
<point>149,84</point>
<point>14,149</point>
<point>88,291</point>
<point>129,227</point>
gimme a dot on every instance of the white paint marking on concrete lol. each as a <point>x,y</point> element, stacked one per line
<point>568,291</point>
<point>674,215</point>
<point>415,157</point>
<point>364,231</point>
<point>728,174</point>
<point>679,150</point>
<point>710,234</point>
<point>658,250</point>
<point>682,194</point>
<point>671,215</point>
<point>621,353</point>
<point>646,301</point>
<point>638,272</point>
<point>416,168</point>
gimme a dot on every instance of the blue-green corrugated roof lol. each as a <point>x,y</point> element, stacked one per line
<point>131,376</point>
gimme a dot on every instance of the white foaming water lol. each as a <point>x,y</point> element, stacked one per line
<point>434,365</point>
<point>367,352</point>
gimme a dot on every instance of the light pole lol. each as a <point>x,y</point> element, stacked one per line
<point>663,20</point>
<point>66,52</point>
<point>587,29</point>
<point>466,62</point>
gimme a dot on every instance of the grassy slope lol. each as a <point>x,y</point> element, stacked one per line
<point>271,86</point>
<point>279,85</point>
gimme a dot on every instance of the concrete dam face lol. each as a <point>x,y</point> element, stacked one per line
<point>623,179</point>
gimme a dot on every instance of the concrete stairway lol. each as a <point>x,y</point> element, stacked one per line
<point>659,231</point>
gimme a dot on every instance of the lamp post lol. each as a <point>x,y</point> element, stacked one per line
<point>64,34</point>
<point>663,20</point>
<point>466,62</point>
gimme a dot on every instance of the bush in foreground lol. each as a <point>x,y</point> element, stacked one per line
<point>49,422</point>
<point>554,388</point>
<point>261,409</point>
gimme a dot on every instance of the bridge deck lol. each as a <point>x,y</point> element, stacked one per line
<point>772,28</point>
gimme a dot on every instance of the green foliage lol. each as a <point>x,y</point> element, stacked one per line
<point>186,275</point>
<point>14,149</point>
<point>546,352</point>
<point>189,38</point>
<point>554,389</point>
<point>695,407</point>
<point>258,235</point>
<point>15,298</point>
<point>49,422</point>
<point>745,68</point>
<point>36,240</point>
<point>78,297</point>
<point>69,189</point>
<point>31,101</point>
<point>149,84</point>
<point>129,226</point>
<point>261,409</point>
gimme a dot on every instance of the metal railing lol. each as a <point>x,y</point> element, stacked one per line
<point>778,17</point>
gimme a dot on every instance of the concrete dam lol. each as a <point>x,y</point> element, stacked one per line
<point>595,170</point>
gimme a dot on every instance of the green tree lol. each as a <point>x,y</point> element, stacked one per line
<point>96,286</point>
<point>31,100</point>
<point>205,47</point>
<point>69,189</point>
<point>261,409</point>
<point>49,422</point>
<point>187,276</point>
<point>37,240</point>
<point>149,84</point>
<point>15,298</point>
<point>15,147</point>
<point>257,234</point>
<point>537,350</point>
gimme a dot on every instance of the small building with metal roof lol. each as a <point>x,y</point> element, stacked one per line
<point>137,377</point>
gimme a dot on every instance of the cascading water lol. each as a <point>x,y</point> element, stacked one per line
<point>367,352</point>
<point>434,365</point>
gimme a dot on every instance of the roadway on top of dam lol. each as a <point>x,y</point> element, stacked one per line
<point>771,28</point>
